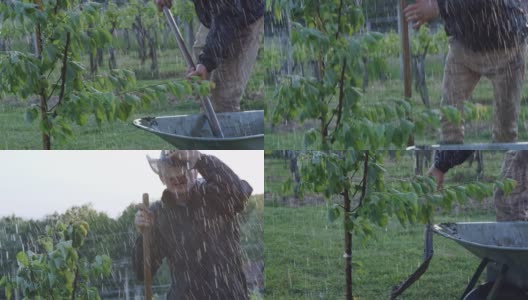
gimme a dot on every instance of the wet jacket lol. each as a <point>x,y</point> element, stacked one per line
<point>445,160</point>
<point>484,25</point>
<point>200,240</point>
<point>225,19</point>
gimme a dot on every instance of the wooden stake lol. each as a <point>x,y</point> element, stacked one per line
<point>406,51</point>
<point>147,276</point>
<point>406,59</point>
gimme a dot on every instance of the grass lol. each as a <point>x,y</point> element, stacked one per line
<point>18,134</point>
<point>304,252</point>
<point>304,258</point>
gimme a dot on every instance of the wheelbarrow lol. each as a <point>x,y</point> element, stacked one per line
<point>242,130</point>
<point>501,245</point>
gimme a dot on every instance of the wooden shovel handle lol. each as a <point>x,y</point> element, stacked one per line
<point>206,102</point>
<point>147,276</point>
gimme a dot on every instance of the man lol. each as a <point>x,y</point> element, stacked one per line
<point>226,46</point>
<point>195,227</point>
<point>486,38</point>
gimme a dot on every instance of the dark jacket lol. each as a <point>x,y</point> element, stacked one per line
<point>484,25</point>
<point>200,240</point>
<point>225,20</point>
<point>445,160</point>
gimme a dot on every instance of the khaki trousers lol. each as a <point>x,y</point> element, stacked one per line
<point>463,70</point>
<point>232,74</point>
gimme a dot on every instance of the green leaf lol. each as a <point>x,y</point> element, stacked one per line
<point>124,111</point>
<point>9,291</point>
<point>132,99</point>
<point>452,114</point>
<point>333,214</point>
<point>22,259</point>
<point>99,113</point>
<point>31,114</point>
<point>310,137</point>
<point>82,119</point>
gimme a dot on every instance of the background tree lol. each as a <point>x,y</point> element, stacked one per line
<point>58,271</point>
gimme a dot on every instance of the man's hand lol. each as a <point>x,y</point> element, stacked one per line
<point>200,71</point>
<point>421,12</point>
<point>163,3</point>
<point>189,156</point>
<point>438,176</point>
<point>144,218</point>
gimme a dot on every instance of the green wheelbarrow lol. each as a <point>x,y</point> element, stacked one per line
<point>242,130</point>
<point>504,246</point>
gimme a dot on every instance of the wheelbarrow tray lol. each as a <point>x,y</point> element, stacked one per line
<point>242,130</point>
<point>505,243</point>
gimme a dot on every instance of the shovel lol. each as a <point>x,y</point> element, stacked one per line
<point>206,102</point>
<point>147,276</point>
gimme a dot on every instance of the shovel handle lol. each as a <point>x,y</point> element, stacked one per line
<point>206,102</point>
<point>147,276</point>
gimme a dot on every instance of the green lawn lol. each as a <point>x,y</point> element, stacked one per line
<point>304,258</point>
<point>18,134</point>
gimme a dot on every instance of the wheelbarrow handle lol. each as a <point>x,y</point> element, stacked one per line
<point>206,102</point>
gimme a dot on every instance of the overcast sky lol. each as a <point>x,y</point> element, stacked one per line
<point>34,184</point>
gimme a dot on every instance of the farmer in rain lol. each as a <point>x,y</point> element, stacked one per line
<point>486,38</point>
<point>226,46</point>
<point>195,227</point>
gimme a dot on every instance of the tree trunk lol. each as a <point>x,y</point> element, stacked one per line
<point>289,48</point>
<point>480,163</point>
<point>92,55</point>
<point>165,37</point>
<point>112,63</point>
<point>100,58</point>
<point>30,44</point>
<point>295,172</point>
<point>348,249</point>
<point>93,64</point>
<point>365,73</point>
<point>140,37</point>
<point>153,52</point>
<point>126,35</point>
<point>46,138</point>
<point>423,161</point>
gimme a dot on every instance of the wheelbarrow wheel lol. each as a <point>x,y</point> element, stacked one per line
<point>506,292</point>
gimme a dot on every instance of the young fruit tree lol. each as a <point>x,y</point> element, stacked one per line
<point>329,33</point>
<point>354,181</point>
<point>66,93</point>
